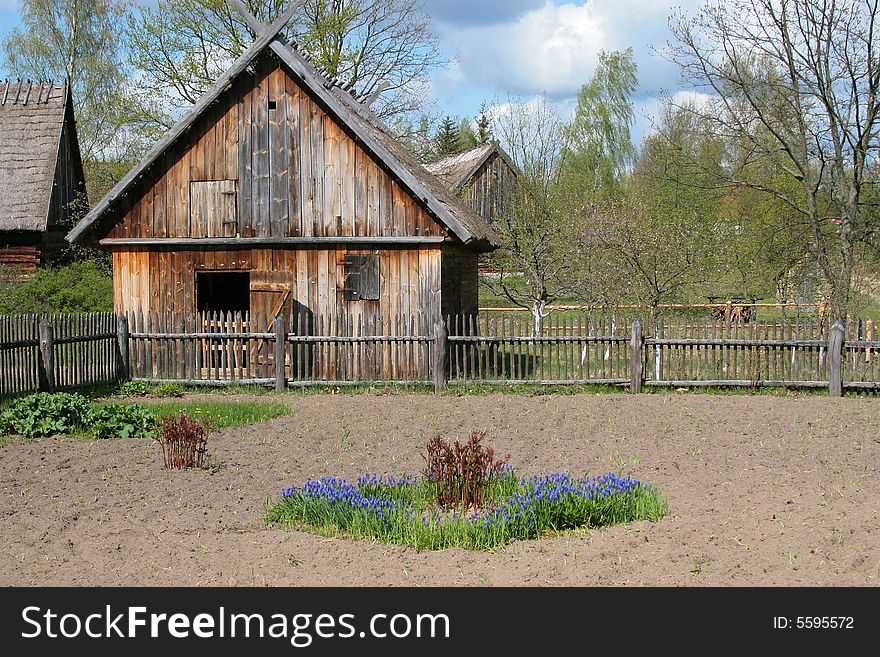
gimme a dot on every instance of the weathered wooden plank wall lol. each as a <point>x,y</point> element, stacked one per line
<point>165,281</point>
<point>491,188</point>
<point>299,173</point>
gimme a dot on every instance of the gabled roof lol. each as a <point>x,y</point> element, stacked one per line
<point>353,116</point>
<point>31,122</point>
<point>457,170</point>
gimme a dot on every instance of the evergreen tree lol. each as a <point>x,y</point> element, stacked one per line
<point>484,126</point>
<point>446,140</point>
<point>467,140</point>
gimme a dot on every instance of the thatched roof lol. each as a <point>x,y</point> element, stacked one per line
<point>457,170</point>
<point>31,121</point>
<point>351,113</point>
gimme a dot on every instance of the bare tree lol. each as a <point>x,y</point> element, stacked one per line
<point>794,84</point>
<point>383,47</point>
<point>539,260</point>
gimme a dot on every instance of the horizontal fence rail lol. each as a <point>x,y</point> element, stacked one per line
<point>218,348</point>
<point>59,352</point>
<point>496,349</point>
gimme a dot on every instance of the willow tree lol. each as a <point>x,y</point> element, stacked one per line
<point>600,149</point>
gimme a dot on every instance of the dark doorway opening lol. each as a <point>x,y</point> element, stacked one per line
<point>224,291</point>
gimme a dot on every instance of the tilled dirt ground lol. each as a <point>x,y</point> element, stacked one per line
<point>762,490</point>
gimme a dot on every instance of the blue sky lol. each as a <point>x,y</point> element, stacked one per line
<point>503,48</point>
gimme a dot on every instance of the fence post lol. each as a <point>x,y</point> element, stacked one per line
<point>123,373</point>
<point>440,345</point>
<point>280,349</point>
<point>635,358</point>
<point>47,355</point>
<point>835,358</point>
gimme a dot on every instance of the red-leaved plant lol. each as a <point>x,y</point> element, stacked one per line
<point>461,472</point>
<point>184,442</point>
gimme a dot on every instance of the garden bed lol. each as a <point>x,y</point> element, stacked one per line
<point>762,490</point>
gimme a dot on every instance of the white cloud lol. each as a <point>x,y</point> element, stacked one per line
<point>696,98</point>
<point>555,47</point>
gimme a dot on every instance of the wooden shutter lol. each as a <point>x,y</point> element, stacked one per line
<point>214,208</point>
<point>361,277</point>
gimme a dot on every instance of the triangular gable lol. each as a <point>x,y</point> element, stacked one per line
<point>367,131</point>
<point>458,170</point>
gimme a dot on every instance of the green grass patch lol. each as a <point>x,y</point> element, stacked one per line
<point>403,511</point>
<point>220,414</point>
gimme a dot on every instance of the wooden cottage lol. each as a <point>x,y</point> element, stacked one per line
<point>484,178</point>
<point>281,194</point>
<point>41,172</point>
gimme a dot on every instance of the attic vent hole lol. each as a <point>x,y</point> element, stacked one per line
<point>273,104</point>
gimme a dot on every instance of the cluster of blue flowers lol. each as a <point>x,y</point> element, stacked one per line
<point>537,493</point>
<point>343,496</point>
<point>553,490</point>
<point>374,480</point>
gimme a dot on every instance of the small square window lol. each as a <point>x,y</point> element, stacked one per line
<point>273,105</point>
<point>361,277</point>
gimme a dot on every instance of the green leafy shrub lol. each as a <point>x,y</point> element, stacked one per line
<point>168,390</point>
<point>184,442</point>
<point>134,389</point>
<point>45,414</point>
<point>122,421</point>
<point>80,287</point>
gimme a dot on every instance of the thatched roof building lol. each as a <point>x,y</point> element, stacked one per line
<point>41,172</point>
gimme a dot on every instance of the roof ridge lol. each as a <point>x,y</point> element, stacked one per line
<point>330,80</point>
<point>26,87</point>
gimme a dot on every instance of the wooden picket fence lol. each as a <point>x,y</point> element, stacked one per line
<point>73,351</point>
<point>57,352</point>
<point>216,348</point>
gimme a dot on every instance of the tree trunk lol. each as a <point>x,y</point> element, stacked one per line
<point>841,286</point>
<point>538,317</point>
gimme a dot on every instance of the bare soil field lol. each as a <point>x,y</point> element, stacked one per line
<point>762,490</point>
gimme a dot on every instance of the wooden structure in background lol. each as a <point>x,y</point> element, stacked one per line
<point>484,178</point>
<point>41,174</point>
<point>280,194</point>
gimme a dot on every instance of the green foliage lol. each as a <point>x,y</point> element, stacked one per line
<point>600,149</point>
<point>45,414</point>
<point>484,126</point>
<point>121,421</point>
<point>222,414</point>
<point>467,140</point>
<point>446,141</point>
<point>79,287</point>
<point>168,390</point>
<point>134,389</point>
